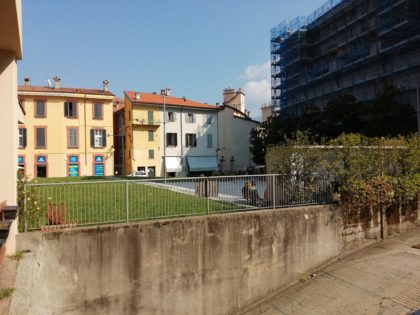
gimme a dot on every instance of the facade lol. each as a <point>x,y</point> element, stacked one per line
<point>10,111</point>
<point>66,132</point>
<point>353,47</point>
<point>234,129</point>
<point>190,136</point>
<point>266,112</point>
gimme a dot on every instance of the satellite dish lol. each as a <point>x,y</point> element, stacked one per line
<point>49,82</point>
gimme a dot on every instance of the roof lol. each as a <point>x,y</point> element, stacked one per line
<point>46,89</point>
<point>118,104</point>
<point>150,98</point>
<point>244,115</point>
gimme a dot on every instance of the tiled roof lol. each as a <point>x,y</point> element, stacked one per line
<point>118,104</point>
<point>46,89</point>
<point>150,98</point>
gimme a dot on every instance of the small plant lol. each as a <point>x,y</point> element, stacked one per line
<point>5,293</point>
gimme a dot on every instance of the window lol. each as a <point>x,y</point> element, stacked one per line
<point>70,109</point>
<point>22,137</point>
<point>171,117</point>
<point>189,118</point>
<point>150,117</point>
<point>98,111</point>
<point>98,138</point>
<point>209,141</point>
<point>171,140</point>
<point>40,138</point>
<point>39,109</point>
<point>150,135</point>
<point>151,154</point>
<point>191,140</point>
<point>72,137</point>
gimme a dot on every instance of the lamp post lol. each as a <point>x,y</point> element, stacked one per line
<point>164,93</point>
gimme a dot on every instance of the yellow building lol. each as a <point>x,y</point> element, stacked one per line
<point>143,144</point>
<point>66,132</point>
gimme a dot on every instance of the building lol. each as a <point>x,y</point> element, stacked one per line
<point>234,98</point>
<point>190,135</point>
<point>119,136</point>
<point>11,113</point>
<point>346,47</point>
<point>67,131</point>
<point>234,129</point>
<point>266,112</point>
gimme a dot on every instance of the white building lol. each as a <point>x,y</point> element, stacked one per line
<point>234,129</point>
<point>191,137</point>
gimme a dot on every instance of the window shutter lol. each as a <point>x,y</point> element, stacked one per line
<point>92,138</point>
<point>186,117</point>
<point>103,138</point>
<point>174,116</point>
<point>24,137</point>
<point>66,109</point>
<point>193,118</point>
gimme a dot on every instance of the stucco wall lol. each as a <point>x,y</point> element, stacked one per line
<point>201,265</point>
<point>8,121</point>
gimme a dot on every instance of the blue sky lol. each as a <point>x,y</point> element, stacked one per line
<point>195,47</point>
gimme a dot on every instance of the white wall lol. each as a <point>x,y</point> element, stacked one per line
<point>234,134</point>
<point>9,109</point>
<point>200,127</point>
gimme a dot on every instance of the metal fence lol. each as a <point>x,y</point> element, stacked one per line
<point>100,202</point>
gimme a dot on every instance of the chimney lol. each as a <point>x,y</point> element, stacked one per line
<point>57,81</point>
<point>27,81</point>
<point>105,85</point>
<point>137,96</point>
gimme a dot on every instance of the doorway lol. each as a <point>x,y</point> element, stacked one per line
<point>41,171</point>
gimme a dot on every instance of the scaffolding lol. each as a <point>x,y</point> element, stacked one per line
<point>341,47</point>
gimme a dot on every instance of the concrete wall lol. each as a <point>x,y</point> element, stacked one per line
<point>201,265</point>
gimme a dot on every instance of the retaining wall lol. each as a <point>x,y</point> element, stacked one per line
<point>202,265</point>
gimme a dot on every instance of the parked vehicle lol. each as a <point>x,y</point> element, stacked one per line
<point>138,174</point>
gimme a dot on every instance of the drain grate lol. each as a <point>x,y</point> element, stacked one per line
<point>416,246</point>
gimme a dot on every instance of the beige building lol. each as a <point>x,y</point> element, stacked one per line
<point>266,112</point>
<point>67,131</point>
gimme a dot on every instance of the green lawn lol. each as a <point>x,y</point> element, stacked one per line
<point>105,202</point>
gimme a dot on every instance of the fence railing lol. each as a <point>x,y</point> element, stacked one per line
<point>112,201</point>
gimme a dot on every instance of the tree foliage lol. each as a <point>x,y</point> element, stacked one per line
<point>384,116</point>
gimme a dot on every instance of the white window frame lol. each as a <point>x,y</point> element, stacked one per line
<point>97,137</point>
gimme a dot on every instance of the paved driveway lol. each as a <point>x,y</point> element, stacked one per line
<point>383,278</point>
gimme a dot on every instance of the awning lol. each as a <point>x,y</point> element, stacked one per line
<point>173,164</point>
<point>202,163</point>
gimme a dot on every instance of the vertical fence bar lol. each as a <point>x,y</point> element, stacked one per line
<point>274,191</point>
<point>25,223</point>
<point>207,195</point>
<point>126,202</point>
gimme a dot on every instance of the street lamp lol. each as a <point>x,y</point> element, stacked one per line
<point>164,93</point>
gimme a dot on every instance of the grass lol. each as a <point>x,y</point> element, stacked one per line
<point>6,292</point>
<point>94,203</point>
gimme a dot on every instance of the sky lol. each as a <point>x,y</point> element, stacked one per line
<point>195,47</point>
